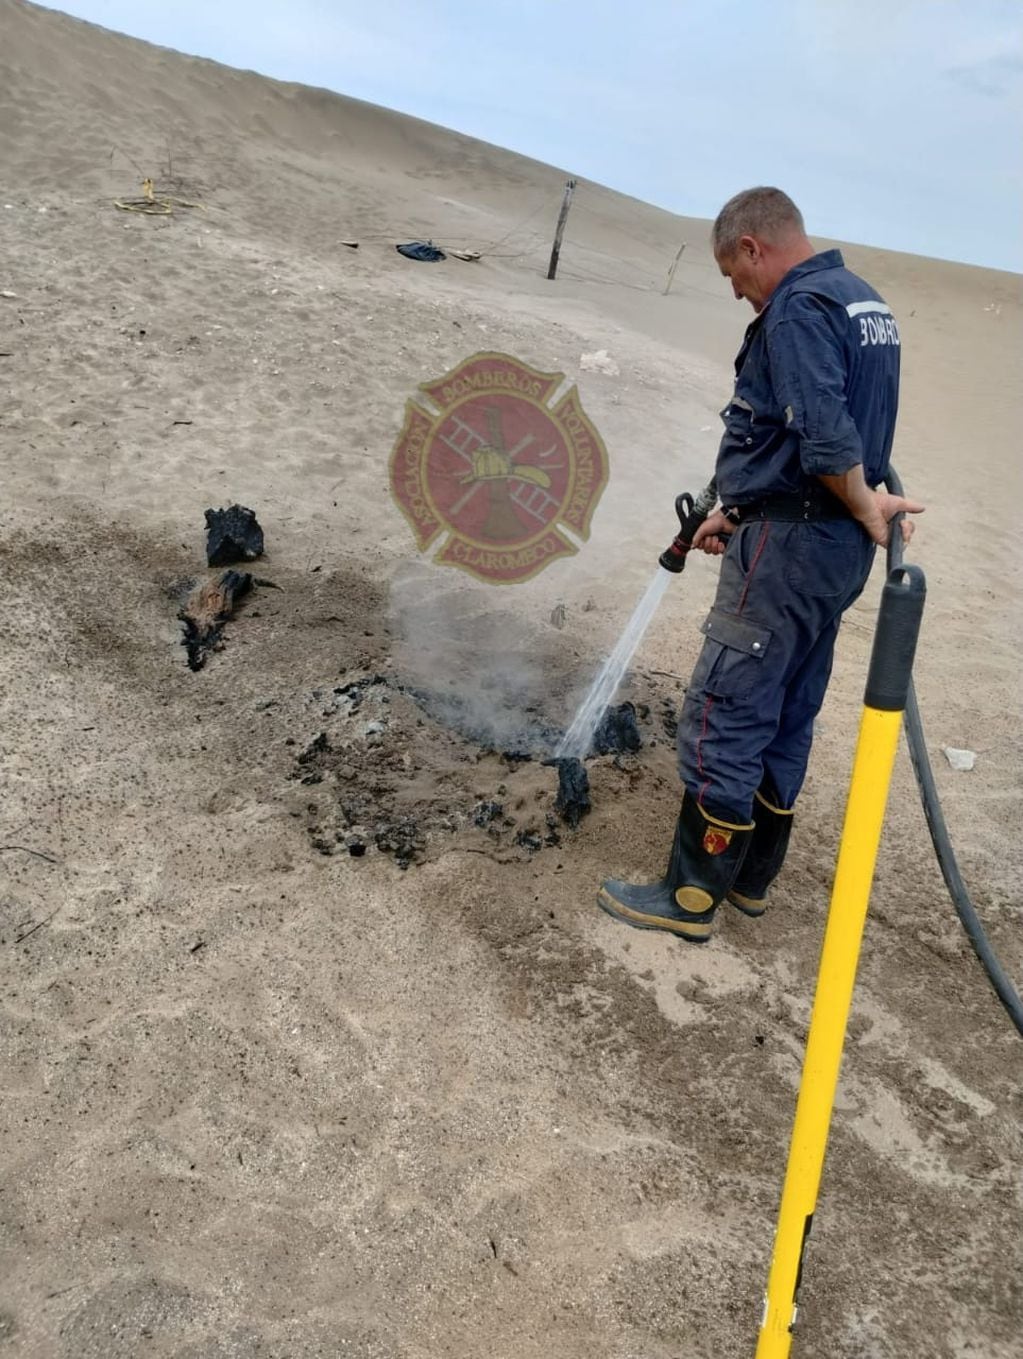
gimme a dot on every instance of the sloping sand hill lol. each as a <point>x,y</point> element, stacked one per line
<point>265,1097</point>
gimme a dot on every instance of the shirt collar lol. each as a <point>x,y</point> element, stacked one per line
<point>826,259</point>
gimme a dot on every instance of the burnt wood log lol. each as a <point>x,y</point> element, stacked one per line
<point>206,610</point>
<point>573,800</point>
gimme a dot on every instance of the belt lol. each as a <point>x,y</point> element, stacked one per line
<point>791,507</point>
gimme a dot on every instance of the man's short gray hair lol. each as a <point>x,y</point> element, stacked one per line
<point>761,212</point>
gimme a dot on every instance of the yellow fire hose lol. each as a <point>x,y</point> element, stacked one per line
<point>891,664</point>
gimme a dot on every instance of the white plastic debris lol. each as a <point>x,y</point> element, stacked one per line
<point>599,362</point>
<point>959,759</point>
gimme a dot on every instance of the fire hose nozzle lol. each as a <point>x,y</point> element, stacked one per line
<point>691,514</point>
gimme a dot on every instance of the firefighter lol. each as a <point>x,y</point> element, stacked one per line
<point>807,441</point>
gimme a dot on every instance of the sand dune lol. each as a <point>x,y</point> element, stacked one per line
<point>263,1097</point>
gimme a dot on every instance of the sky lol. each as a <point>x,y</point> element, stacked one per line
<point>896,123</point>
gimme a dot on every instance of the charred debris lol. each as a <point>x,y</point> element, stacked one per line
<point>392,756</point>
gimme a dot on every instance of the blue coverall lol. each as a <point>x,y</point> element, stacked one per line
<point>816,391</point>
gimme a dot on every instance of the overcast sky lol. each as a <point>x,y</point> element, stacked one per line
<point>897,123</point>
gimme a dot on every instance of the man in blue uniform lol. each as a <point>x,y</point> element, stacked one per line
<point>808,436</point>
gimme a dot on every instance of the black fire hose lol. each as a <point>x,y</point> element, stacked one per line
<point>936,820</point>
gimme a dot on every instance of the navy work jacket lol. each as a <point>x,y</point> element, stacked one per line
<point>816,386</point>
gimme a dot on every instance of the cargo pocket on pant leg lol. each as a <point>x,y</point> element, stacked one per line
<point>731,664</point>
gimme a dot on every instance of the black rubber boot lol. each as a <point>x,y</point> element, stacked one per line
<point>705,857</point>
<point>764,856</point>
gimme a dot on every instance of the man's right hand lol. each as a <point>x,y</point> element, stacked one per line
<point>884,509</point>
<point>711,537</point>
<point>874,509</point>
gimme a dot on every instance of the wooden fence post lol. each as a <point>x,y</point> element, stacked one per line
<point>671,271</point>
<point>566,203</point>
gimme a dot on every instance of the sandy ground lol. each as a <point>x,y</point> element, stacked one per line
<point>262,1097</point>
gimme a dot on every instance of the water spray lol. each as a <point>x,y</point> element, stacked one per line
<point>575,744</point>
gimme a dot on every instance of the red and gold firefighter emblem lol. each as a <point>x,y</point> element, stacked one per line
<point>716,840</point>
<point>510,479</point>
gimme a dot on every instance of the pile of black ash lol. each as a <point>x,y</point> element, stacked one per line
<point>377,775</point>
<point>617,732</point>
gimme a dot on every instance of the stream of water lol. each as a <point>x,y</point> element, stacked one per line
<point>578,738</point>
